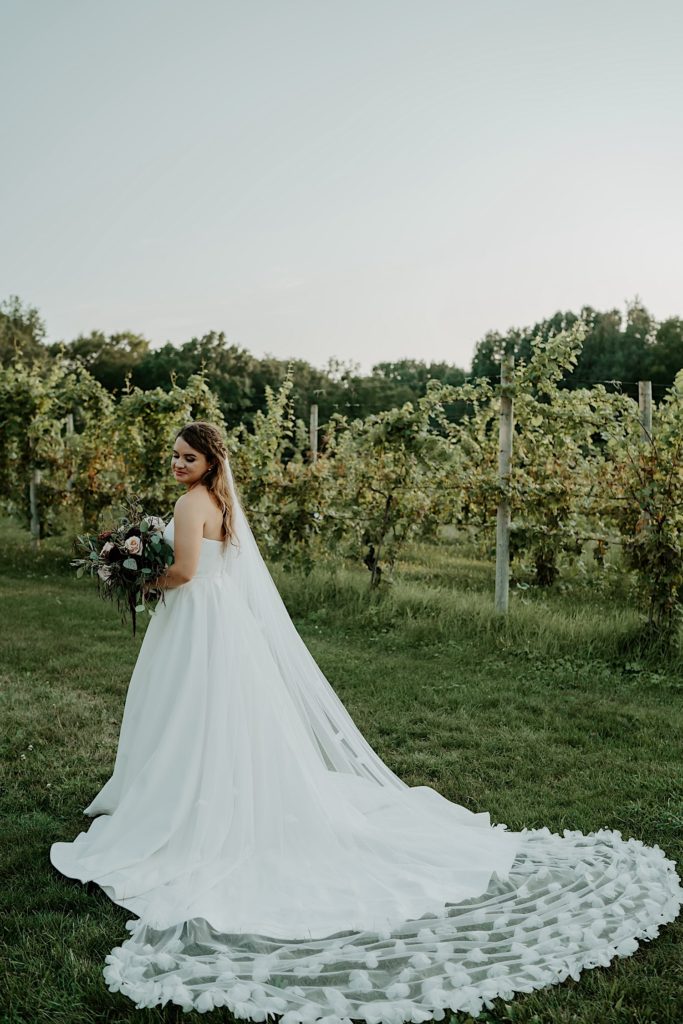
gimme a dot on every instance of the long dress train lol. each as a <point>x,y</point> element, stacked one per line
<point>267,879</point>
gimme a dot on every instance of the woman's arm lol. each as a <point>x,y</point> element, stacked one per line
<point>187,541</point>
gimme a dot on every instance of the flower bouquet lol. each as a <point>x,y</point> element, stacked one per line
<point>127,560</point>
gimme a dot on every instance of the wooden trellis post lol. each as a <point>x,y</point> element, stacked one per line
<point>69,429</point>
<point>645,406</point>
<point>504,461</point>
<point>33,504</point>
<point>313,431</point>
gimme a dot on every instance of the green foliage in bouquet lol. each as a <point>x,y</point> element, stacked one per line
<point>127,559</point>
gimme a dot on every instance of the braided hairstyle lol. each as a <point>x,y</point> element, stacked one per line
<point>207,439</point>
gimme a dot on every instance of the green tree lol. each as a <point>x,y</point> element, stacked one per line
<point>616,348</point>
<point>665,354</point>
<point>110,359</point>
<point>228,367</point>
<point>22,331</point>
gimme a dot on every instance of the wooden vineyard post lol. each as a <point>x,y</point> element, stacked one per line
<point>69,427</point>
<point>504,461</point>
<point>645,406</point>
<point>313,430</point>
<point>33,505</point>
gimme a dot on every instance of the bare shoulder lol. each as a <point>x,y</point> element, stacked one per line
<point>195,500</point>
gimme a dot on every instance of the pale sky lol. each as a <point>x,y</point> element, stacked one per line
<point>363,179</point>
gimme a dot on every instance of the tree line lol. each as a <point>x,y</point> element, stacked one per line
<point>619,348</point>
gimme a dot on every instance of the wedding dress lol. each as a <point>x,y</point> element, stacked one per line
<point>277,866</point>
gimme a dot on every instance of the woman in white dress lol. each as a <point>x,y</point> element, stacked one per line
<point>276,865</point>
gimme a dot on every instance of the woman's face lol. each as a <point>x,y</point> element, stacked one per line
<point>188,465</point>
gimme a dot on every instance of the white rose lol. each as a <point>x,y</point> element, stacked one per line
<point>107,547</point>
<point>133,545</point>
<point>104,572</point>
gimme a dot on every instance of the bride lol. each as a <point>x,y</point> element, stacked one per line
<point>276,865</point>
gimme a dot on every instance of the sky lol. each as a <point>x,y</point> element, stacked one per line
<point>363,180</point>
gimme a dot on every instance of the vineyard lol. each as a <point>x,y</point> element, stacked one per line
<point>586,478</point>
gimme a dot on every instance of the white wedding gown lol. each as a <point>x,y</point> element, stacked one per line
<point>268,879</point>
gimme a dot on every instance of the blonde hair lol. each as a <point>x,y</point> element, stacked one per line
<point>207,439</point>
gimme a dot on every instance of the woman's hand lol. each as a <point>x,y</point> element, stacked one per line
<point>153,587</point>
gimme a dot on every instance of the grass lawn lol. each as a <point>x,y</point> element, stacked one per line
<point>547,719</point>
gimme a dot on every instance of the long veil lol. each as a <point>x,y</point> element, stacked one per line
<point>342,746</point>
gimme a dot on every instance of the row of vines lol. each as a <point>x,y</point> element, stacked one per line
<point>584,478</point>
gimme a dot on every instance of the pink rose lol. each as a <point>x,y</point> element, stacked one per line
<point>133,545</point>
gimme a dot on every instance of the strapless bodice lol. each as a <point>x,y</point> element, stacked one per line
<point>215,558</point>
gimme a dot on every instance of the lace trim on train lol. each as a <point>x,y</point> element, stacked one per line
<point>571,902</point>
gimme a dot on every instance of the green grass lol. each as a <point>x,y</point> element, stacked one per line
<point>548,719</point>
